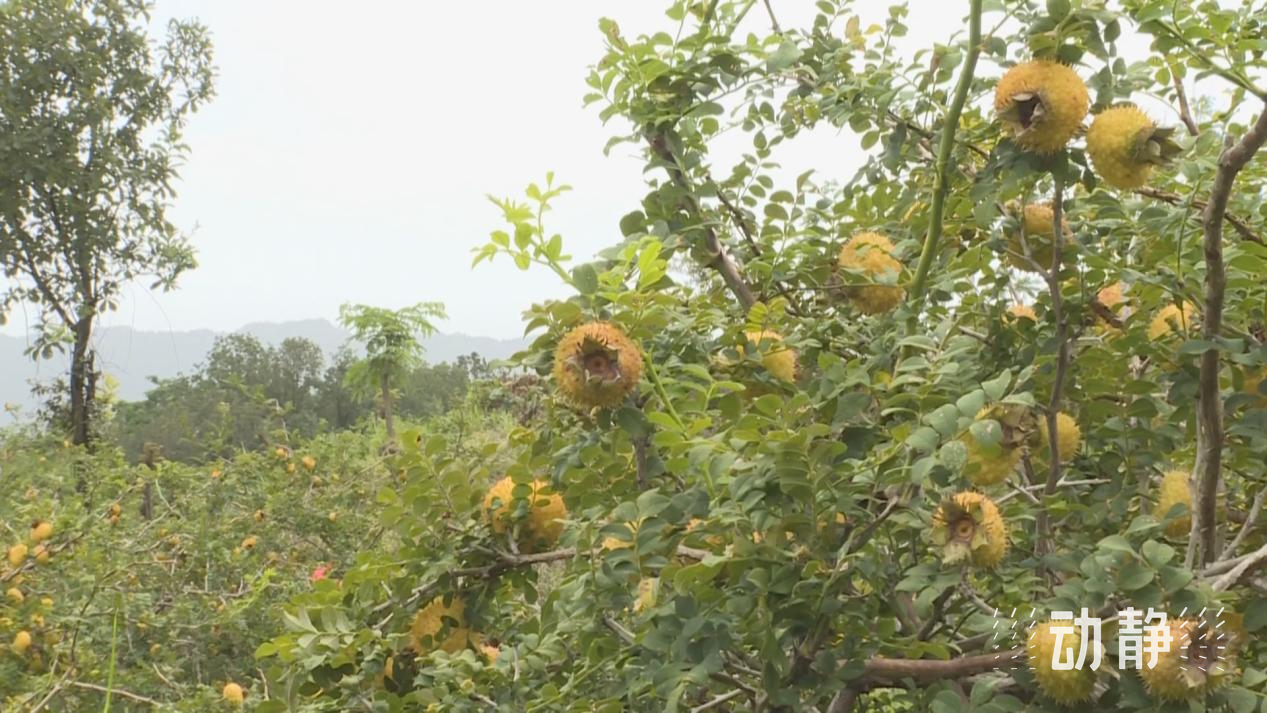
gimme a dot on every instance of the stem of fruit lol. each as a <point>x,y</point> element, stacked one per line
<point>941,179</point>
<point>664,396</point>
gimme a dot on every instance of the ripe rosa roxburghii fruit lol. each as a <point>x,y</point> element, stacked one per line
<point>41,531</point>
<point>1068,438</point>
<point>1195,664</point>
<point>1038,223</point>
<point>440,626</point>
<point>1172,318</point>
<point>1016,313</point>
<point>540,528</point>
<point>969,528</point>
<point>597,366</point>
<point>1125,146</point>
<point>21,642</point>
<point>990,463</point>
<point>778,359</point>
<point>1064,687</point>
<point>17,555</point>
<point>872,255</point>
<point>233,693</point>
<point>1041,104</point>
<point>1175,490</point>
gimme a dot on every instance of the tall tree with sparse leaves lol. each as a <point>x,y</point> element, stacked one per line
<point>92,112</point>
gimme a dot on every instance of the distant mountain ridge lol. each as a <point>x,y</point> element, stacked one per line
<point>133,356</point>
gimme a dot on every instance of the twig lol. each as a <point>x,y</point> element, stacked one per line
<point>718,259</point>
<point>774,21</point>
<point>1241,225</point>
<point>719,700</point>
<point>1185,112</point>
<point>1210,406</point>
<point>125,694</point>
<point>1247,563</point>
<point>1250,520</point>
<point>1043,522</point>
<point>941,179</point>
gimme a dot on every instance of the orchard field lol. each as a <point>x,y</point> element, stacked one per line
<point>790,442</point>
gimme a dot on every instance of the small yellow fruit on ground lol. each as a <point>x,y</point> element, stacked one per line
<point>1125,146</point>
<point>440,626</point>
<point>250,542</point>
<point>215,474</point>
<point>1172,319</point>
<point>15,595</point>
<point>543,523</point>
<point>1175,490</point>
<point>233,693</point>
<point>116,509</point>
<point>41,531</point>
<point>1198,661</point>
<point>1038,227</point>
<point>21,642</point>
<point>872,255</point>
<point>17,555</point>
<point>259,516</point>
<point>309,463</point>
<point>597,366</point>
<point>779,360</point>
<point>969,528</point>
<point>1041,104</point>
<point>334,516</point>
<point>1064,687</point>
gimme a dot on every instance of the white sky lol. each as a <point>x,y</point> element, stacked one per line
<point>348,152</point>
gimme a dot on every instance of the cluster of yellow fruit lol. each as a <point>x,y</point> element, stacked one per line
<point>1042,104</point>
<point>1199,660</point>
<point>18,555</point>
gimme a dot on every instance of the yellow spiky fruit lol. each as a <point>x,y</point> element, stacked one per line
<point>1016,313</point>
<point>1041,104</point>
<point>1175,490</point>
<point>15,595</point>
<point>1065,687</point>
<point>1172,319</point>
<point>778,359</point>
<point>440,626</point>
<point>21,642</point>
<point>233,694</point>
<point>40,531</point>
<point>1068,437</point>
<point>872,255</point>
<point>1194,665</point>
<point>543,523</point>
<point>1038,228</point>
<point>597,366</point>
<point>17,555</point>
<point>1112,295</point>
<point>969,528</point>
<point>991,463</point>
<point>1125,146</point>
<point>250,542</point>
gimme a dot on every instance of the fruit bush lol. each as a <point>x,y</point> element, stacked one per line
<point>820,441</point>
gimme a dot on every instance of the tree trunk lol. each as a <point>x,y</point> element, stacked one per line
<point>83,383</point>
<point>385,384</point>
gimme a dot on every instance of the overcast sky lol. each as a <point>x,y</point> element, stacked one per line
<point>348,152</point>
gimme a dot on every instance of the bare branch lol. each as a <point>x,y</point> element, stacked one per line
<point>1247,564</point>
<point>1063,357</point>
<point>1210,405</point>
<point>1241,225</point>
<point>1250,521</point>
<point>1185,112</point>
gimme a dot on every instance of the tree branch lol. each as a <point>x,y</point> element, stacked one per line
<point>1185,111</point>
<point>1043,522</point>
<point>941,180</point>
<point>718,259</point>
<point>1210,405</point>
<point>1241,225</point>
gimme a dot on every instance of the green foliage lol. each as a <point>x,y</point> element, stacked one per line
<point>91,118</point>
<point>740,543</point>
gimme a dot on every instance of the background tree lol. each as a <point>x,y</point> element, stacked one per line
<point>392,347</point>
<point>91,115</point>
